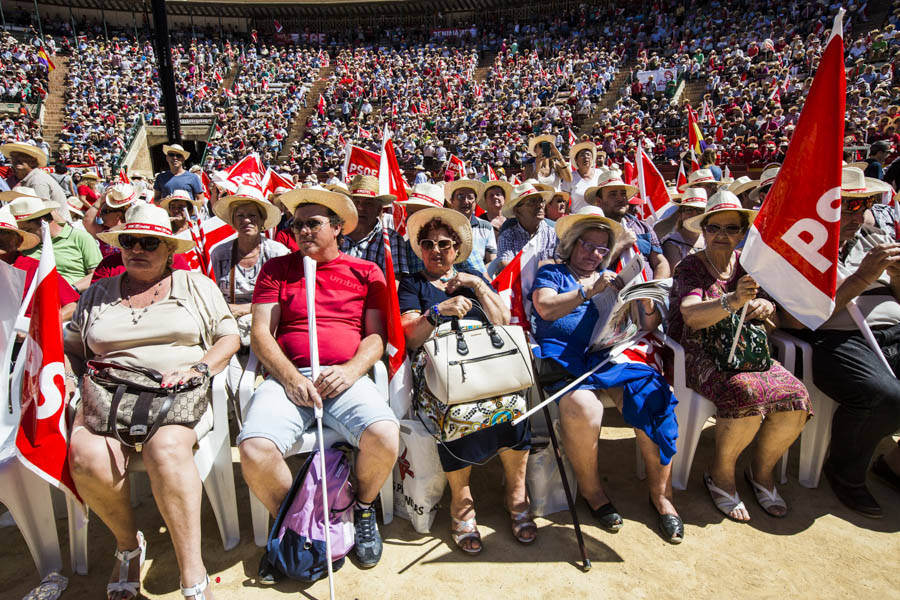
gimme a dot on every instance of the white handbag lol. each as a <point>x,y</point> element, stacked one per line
<point>470,361</point>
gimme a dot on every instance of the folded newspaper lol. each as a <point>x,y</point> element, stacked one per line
<point>619,319</point>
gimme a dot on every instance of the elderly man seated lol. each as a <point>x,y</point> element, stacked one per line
<point>527,206</point>
<point>845,367</point>
<point>350,293</point>
<point>461,195</point>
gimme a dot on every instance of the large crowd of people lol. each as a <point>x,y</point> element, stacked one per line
<point>131,253</point>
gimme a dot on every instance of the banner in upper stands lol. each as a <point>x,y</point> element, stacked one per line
<point>661,77</point>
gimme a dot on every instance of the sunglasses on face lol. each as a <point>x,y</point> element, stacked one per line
<point>534,203</point>
<point>595,248</point>
<point>712,229</point>
<point>852,205</point>
<point>429,245</point>
<point>175,155</point>
<point>312,224</point>
<point>148,244</point>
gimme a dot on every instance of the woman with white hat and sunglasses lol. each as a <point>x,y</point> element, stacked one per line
<point>177,323</point>
<point>681,241</point>
<point>755,399</point>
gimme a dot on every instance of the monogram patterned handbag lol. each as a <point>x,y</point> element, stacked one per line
<point>129,404</point>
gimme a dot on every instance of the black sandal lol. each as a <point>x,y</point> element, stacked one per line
<point>671,527</point>
<point>607,516</point>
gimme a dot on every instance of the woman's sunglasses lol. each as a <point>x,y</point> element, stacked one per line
<point>712,229</point>
<point>149,244</point>
<point>429,245</point>
<point>852,205</point>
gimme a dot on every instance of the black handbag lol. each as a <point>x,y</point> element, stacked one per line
<point>129,404</point>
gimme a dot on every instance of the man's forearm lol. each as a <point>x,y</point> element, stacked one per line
<point>271,356</point>
<point>370,351</point>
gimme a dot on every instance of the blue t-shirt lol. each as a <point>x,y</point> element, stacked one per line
<point>568,334</point>
<point>417,293</point>
<point>166,184</point>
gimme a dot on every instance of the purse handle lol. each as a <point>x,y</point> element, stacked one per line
<point>461,346</point>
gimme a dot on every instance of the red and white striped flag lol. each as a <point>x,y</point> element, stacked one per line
<point>362,133</point>
<point>653,192</point>
<point>278,26</point>
<point>695,164</point>
<point>390,179</point>
<point>399,370</point>
<point>572,139</point>
<point>42,435</point>
<point>492,176</point>
<point>681,181</point>
<point>792,246</point>
<point>515,281</point>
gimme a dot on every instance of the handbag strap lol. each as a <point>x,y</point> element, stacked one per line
<point>140,416</point>
<point>234,261</point>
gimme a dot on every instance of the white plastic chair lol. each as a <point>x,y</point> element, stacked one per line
<point>259,515</point>
<point>213,460</point>
<point>816,435</point>
<point>25,495</point>
<point>693,411</point>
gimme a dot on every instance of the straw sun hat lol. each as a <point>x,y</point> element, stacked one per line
<point>457,221</point>
<point>586,145</point>
<point>366,186</point>
<point>182,195</point>
<point>149,221</point>
<point>428,195</point>
<point>27,149</point>
<point>854,184</point>
<point>176,148</point>
<point>523,192</point>
<point>224,208</point>
<point>26,205</point>
<point>611,178</point>
<point>336,202</point>
<point>590,214</point>
<point>505,186</point>
<point>121,195</point>
<point>27,240</point>
<point>459,184</point>
<point>721,201</point>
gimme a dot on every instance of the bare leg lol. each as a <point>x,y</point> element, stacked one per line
<point>515,463</point>
<point>778,432</point>
<point>379,446</point>
<point>105,489</point>
<point>580,415</point>
<point>732,436</point>
<point>266,473</point>
<point>462,505</point>
<point>659,477</point>
<point>178,491</point>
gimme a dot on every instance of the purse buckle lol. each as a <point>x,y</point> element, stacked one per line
<point>138,430</point>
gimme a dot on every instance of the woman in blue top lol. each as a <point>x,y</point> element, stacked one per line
<point>564,323</point>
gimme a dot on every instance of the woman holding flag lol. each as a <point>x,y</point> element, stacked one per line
<point>757,398</point>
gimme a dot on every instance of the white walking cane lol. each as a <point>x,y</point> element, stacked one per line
<point>309,272</point>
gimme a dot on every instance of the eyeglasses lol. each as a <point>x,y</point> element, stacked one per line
<point>148,244</point>
<point>601,250</point>
<point>534,203</point>
<point>429,245</point>
<point>175,155</point>
<point>713,229</point>
<point>852,205</point>
<point>312,224</point>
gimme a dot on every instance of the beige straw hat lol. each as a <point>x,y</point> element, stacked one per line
<point>452,218</point>
<point>225,206</point>
<point>366,186</point>
<point>28,149</point>
<point>523,192</point>
<point>27,240</point>
<point>336,202</point>
<point>146,220</point>
<point>592,214</point>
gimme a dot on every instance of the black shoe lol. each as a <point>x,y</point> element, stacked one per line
<point>267,574</point>
<point>368,545</point>
<point>883,471</point>
<point>855,497</point>
<point>608,517</point>
<point>671,527</point>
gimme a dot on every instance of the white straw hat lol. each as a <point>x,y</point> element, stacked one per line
<point>224,208</point>
<point>721,201</point>
<point>425,194</point>
<point>120,195</point>
<point>452,218</point>
<point>522,192</point>
<point>146,220</point>
<point>694,197</point>
<point>27,149</point>
<point>8,223</point>
<point>336,202</point>
<point>609,177</point>
<point>855,184</point>
<point>26,206</point>
<point>592,214</point>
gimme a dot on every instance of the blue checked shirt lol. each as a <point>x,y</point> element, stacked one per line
<point>512,239</point>
<point>371,248</point>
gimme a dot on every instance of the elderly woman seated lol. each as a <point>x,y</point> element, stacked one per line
<point>236,263</point>
<point>753,394</point>
<point>177,323</point>
<point>471,432</point>
<point>566,317</point>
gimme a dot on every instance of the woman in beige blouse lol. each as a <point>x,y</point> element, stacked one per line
<point>178,323</point>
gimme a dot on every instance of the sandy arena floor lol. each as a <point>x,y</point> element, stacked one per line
<point>821,550</point>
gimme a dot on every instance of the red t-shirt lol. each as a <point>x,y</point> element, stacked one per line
<point>88,193</point>
<point>67,293</point>
<point>286,237</point>
<point>345,288</point>
<point>112,265</point>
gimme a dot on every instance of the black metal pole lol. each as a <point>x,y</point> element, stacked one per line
<point>166,72</point>
<point>102,16</point>
<point>134,24</point>
<point>2,16</point>
<point>74,31</point>
<point>38,15</point>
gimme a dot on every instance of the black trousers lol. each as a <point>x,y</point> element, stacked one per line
<point>848,370</point>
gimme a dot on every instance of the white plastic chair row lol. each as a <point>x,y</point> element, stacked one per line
<point>259,515</point>
<point>213,460</point>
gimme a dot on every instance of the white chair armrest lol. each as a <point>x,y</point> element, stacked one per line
<point>679,381</point>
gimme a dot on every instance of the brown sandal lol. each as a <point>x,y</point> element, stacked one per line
<point>461,531</point>
<point>523,523</point>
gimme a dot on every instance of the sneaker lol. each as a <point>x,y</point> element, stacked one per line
<point>266,573</point>
<point>368,545</point>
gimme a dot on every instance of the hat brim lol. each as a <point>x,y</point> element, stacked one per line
<point>509,208</point>
<point>38,213</point>
<point>533,142</point>
<point>873,187</point>
<point>164,203</point>
<point>693,224</point>
<point>225,207</point>
<point>457,184</point>
<point>565,224</point>
<point>33,151</point>
<point>385,199</point>
<point>29,240</point>
<point>336,202</point>
<point>112,238</point>
<point>750,185</point>
<point>184,153</point>
<point>455,219</point>
<point>504,185</point>
<point>593,191</point>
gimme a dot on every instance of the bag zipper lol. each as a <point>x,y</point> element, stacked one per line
<point>464,361</point>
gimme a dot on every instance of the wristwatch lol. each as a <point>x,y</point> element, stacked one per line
<point>433,315</point>
<point>202,368</point>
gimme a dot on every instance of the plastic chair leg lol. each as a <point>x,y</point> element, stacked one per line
<point>27,497</point>
<point>387,500</point>
<point>815,438</point>
<point>692,412</point>
<point>219,486</point>
<point>259,517</point>
<point>78,536</point>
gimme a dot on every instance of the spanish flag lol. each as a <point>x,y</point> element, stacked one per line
<point>45,59</point>
<point>695,137</point>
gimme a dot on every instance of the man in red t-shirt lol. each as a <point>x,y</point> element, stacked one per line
<point>350,296</point>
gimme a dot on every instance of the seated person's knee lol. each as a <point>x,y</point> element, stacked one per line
<point>383,436</point>
<point>258,451</point>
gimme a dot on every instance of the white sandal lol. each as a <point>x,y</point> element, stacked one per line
<point>765,498</point>
<point>197,590</point>
<point>725,502</point>
<point>124,557</point>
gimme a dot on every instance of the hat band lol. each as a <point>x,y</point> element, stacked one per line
<point>426,198</point>
<point>769,181</point>
<point>694,199</point>
<point>126,200</point>
<point>148,227</point>
<point>612,182</point>
<point>368,193</point>
<point>862,189</point>
<point>727,205</point>
<point>703,180</point>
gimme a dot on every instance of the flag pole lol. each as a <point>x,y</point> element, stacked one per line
<point>737,335</point>
<point>309,272</point>
<point>864,328</point>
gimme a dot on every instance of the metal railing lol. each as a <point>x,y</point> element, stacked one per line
<point>212,130</point>
<point>130,136</point>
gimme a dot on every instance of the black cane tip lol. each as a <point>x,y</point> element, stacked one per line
<point>587,565</point>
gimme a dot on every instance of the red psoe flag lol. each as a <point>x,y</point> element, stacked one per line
<point>390,179</point>
<point>42,437</point>
<point>515,281</point>
<point>320,105</point>
<point>399,370</point>
<point>792,247</point>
